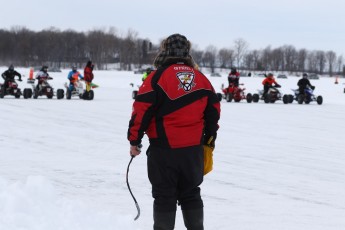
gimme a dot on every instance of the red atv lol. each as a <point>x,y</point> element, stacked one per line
<point>234,93</point>
<point>12,89</point>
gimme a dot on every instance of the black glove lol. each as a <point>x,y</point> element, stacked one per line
<point>312,87</point>
<point>277,86</point>
<point>20,79</point>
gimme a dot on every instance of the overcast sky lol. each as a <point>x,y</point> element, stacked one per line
<point>310,24</point>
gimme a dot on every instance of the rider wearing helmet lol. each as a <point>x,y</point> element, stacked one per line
<point>41,76</point>
<point>268,82</point>
<point>9,75</point>
<point>233,77</point>
<point>303,83</point>
<point>73,77</point>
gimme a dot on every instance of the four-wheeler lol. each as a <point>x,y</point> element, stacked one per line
<point>11,89</point>
<point>307,97</point>
<point>44,89</point>
<point>273,94</point>
<point>78,91</point>
<point>234,93</point>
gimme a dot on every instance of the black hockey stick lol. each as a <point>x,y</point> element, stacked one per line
<point>129,188</point>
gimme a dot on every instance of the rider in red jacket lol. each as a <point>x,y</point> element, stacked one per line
<point>268,82</point>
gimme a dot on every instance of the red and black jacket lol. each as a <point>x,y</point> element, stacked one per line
<point>88,75</point>
<point>176,107</point>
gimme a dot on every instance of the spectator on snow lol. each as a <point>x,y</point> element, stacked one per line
<point>234,77</point>
<point>268,82</point>
<point>9,75</point>
<point>303,83</point>
<point>73,77</point>
<point>88,75</point>
<point>178,110</point>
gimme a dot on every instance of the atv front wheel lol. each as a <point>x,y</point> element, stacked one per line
<point>256,97</point>
<point>60,94</point>
<point>229,97</point>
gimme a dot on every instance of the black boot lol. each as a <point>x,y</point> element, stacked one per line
<point>164,220</point>
<point>194,219</point>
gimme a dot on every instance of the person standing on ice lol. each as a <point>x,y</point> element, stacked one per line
<point>73,77</point>
<point>178,109</point>
<point>88,75</point>
<point>303,83</point>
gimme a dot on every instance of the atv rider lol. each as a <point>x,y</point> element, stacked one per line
<point>9,75</point>
<point>147,73</point>
<point>88,75</point>
<point>233,77</point>
<point>268,82</point>
<point>73,77</point>
<point>303,83</point>
<point>42,76</point>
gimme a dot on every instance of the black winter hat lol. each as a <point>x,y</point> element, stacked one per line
<point>176,46</point>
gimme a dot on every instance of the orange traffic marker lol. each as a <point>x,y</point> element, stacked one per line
<point>336,80</point>
<point>31,74</point>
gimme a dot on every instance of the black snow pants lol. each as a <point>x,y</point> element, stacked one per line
<point>175,176</point>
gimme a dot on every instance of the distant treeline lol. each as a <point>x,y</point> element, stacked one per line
<point>53,47</point>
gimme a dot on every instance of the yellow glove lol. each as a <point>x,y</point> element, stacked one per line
<point>208,159</point>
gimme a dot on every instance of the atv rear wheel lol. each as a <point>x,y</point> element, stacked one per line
<point>249,98</point>
<point>91,95</point>
<point>286,99</point>
<point>35,94</point>
<point>2,92</point>
<point>220,96</point>
<point>319,100</point>
<point>300,99</point>
<point>68,94</point>
<point>267,98</point>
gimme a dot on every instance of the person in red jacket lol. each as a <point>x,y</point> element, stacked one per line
<point>178,109</point>
<point>268,82</point>
<point>88,75</point>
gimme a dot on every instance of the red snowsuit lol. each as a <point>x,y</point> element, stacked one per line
<point>168,108</point>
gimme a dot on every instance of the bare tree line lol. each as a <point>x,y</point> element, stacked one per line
<point>23,47</point>
<point>56,48</point>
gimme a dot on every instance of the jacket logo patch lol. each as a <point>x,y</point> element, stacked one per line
<point>186,80</point>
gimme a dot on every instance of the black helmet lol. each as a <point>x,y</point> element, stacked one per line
<point>74,68</point>
<point>233,70</point>
<point>44,68</point>
<point>305,75</point>
<point>11,68</point>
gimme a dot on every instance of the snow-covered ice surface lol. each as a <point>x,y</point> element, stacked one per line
<point>63,162</point>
